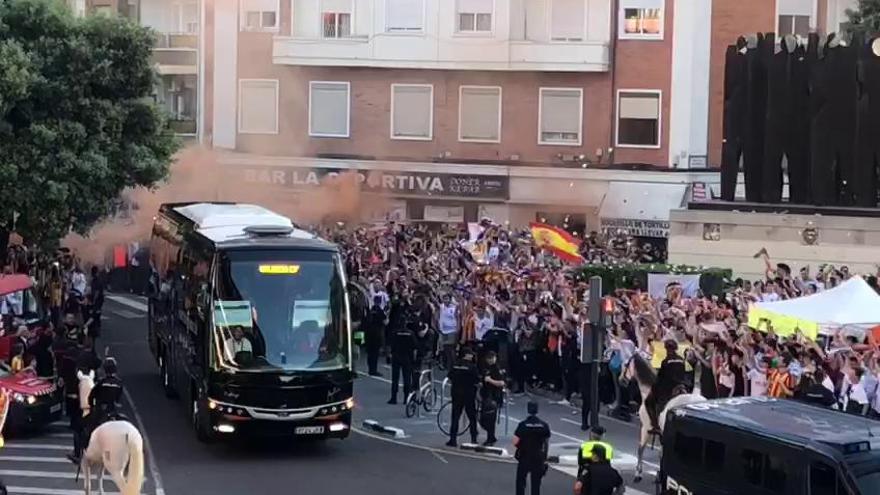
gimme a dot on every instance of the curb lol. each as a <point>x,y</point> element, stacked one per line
<point>563,460</point>
<point>386,430</point>
<point>499,451</point>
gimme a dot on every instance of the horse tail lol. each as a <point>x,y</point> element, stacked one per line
<point>135,479</point>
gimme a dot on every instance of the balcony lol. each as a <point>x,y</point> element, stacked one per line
<point>176,54</point>
<point>517,35</point>
<point>183,127</point>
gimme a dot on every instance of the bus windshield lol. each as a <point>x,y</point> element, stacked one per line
<point>281,309</point>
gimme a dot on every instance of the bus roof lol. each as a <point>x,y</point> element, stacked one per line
<point>785,420</point>
<point>233,225</point>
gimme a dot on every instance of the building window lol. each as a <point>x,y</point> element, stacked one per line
<point>336,15</point>
<point>479,114</point>
<point>638,119</point>
<point>329,109</point>
<point>641,19</point>
<point>567,20</point>
<point>798,25</point>
<point>259,15</point>
<point>794,17</point>
<point>412,111</point>
<point>258,106</point>
<point>475,16</point>
<point>560,114</point>
<point>404,16</point>
<point>186,19</point>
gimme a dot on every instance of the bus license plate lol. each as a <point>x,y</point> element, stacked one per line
<point>309,430</point>
<point>56,408</point>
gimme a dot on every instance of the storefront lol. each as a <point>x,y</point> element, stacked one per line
<point>577,199</point>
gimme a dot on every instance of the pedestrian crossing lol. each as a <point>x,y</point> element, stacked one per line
<point>37,464</point>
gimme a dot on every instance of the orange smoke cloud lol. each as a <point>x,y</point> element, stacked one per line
<point>196,176</point>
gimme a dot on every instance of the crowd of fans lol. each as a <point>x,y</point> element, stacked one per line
<point>525,298</point>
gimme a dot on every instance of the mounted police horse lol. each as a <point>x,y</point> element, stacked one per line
<point>113,445</point>
<point>640,369</point>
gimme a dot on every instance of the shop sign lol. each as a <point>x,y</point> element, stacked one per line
<point>410,183</point>
<point>637,228</point>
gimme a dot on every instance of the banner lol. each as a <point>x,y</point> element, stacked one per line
<point>657,283</point>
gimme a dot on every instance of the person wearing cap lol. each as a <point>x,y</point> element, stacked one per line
<point>600,478</point>
<point>531,440</point>
<point>585,454</point>
<point>670,377</point>
<point>104,401</point>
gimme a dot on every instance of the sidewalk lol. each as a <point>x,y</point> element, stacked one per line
<point>372,393</point>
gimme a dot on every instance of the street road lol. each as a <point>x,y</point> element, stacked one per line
<point>360,465</point>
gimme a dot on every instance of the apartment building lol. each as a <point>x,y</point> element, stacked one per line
<point>176,53</point>
<point>519,110</point>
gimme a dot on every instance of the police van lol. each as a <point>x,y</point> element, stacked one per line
<point>766,446</point>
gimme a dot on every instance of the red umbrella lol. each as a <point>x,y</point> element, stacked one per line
<point>14,283</point>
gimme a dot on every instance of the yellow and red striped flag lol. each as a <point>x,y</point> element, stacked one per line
<point>557,241</point>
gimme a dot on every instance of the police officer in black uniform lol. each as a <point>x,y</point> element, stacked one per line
<point>465,377</point>
<point>374,333</point>
<point>104,402</point>
<point>403,348</point>
<point>670,377</point>
<point>531,440</point>
<point>492,395</point>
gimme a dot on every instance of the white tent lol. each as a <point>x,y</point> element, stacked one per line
<point>851,304</point>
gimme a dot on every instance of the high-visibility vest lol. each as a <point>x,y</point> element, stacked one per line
<point>587,449</point>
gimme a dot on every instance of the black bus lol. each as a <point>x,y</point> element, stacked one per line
<point>249,322</point>
<point>765,446</point>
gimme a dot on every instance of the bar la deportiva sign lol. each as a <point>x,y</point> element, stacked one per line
<point>414,183</point>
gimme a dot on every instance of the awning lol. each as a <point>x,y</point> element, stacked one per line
<point>14,283</point>
<point>641,208</point>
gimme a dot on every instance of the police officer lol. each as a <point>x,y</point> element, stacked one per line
<point>464,377</point>
<point>585,454</point>
<point>600,477</point>
<point>531,440</point>
<point>492,395</point>
<point>670,377</point>
<point>374,332</point>
<point>104,401</point>
<point>403,348</point>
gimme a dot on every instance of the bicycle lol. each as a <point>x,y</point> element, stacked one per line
<point>425,396</point>
<point>444,417</point>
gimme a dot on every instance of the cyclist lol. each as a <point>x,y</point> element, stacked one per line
<point>491,393</point>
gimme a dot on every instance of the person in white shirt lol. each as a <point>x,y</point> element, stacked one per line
<point>78,281</point>
<point>758,380</point>
<point>238,343</point>
<point>376,290</point>
<point>448,325</point>
<point>855,399</point>
<point>485,322</point>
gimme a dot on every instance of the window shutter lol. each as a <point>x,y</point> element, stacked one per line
<point>567,22</point>
<point>479,109</point>
<point>329,109</point>
<point>412,111</point>
<point>476,6</point>
<point>405,15</point>
<point>636,106</point>
<point>336,6</point>
<point>258,107</point>
<point>561,111</point>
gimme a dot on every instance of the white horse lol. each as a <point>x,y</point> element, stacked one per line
<point>645,376</point>
<point>112,446</point>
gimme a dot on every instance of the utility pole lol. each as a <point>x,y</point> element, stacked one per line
<point>591,354</point>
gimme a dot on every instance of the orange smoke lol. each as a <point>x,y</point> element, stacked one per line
<point>196,176</point>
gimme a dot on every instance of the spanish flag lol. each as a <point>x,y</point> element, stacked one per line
<point>557,241</point>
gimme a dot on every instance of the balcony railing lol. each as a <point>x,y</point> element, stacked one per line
<point>185,127</point>
<point>178,57</point>
<point>177,40</point>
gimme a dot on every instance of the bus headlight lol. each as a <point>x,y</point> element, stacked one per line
<point>25,399</point>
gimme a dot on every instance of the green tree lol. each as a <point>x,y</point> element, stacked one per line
<point>865,19</point>
<point>76,122</point>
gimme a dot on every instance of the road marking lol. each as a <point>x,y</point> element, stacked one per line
<point>578,423</point>
<point>125,301</point>
<point>440,457</point>
<point>27,490</point>
<point>126,314</point>
<point>41,474</point>
<point>154,468</point>
<point>37,446</point>
<point>25,458</point>
<point>60,435</point>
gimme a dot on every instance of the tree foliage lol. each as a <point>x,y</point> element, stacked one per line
<point>865,19</point>
<point>77,125</point>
